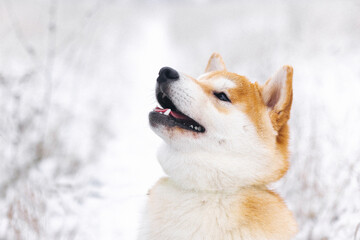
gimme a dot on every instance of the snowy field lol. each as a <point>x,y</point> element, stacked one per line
<point>77,82</point>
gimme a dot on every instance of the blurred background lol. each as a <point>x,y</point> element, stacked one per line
<point>77,82</point>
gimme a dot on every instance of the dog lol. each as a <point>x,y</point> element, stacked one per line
<point>225,139</point>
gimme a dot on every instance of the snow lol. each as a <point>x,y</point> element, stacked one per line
<point>77,82</point>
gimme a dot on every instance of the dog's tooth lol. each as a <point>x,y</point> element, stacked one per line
<point>191,126</point>
<point>167,112</point>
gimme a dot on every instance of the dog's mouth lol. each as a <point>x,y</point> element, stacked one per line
<point>169,115</point>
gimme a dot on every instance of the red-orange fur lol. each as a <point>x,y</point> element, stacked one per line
<point>249,98</point>
<point>255,212</point>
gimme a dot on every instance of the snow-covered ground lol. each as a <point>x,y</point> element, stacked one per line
<point>77,82</point>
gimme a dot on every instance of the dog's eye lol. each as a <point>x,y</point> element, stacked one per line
<point>222,96</point>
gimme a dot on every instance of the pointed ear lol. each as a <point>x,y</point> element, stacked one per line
<point>216,63</point>
<point>277,95</point>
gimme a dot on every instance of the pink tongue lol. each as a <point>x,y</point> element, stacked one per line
<point>174,114</point>
<point>178,115</point>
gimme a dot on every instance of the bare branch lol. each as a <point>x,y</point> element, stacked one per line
<point>30,50</point>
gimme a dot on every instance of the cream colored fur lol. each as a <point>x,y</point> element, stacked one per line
<point>216,184</point>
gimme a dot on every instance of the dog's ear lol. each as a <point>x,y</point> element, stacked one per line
<point>277,95</point>
<point>215,63</point>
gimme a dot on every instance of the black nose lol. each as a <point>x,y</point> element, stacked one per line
<point>167,74</point>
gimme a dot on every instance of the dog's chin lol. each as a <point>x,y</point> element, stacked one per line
<point>159,120</point>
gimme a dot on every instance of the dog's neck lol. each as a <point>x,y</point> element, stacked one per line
<point>226,192</point>
<point>207,172</point>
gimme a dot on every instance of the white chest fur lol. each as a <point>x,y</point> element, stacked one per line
<point>177,214</point>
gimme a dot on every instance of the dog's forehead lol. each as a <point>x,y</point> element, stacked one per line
<point>223,80</point>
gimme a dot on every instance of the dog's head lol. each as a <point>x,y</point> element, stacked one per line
<point>220,130</point>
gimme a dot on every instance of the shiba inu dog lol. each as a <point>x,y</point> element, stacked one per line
<point>225,139</point>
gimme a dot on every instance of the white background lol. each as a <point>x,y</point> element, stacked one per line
<point>77,82</point>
